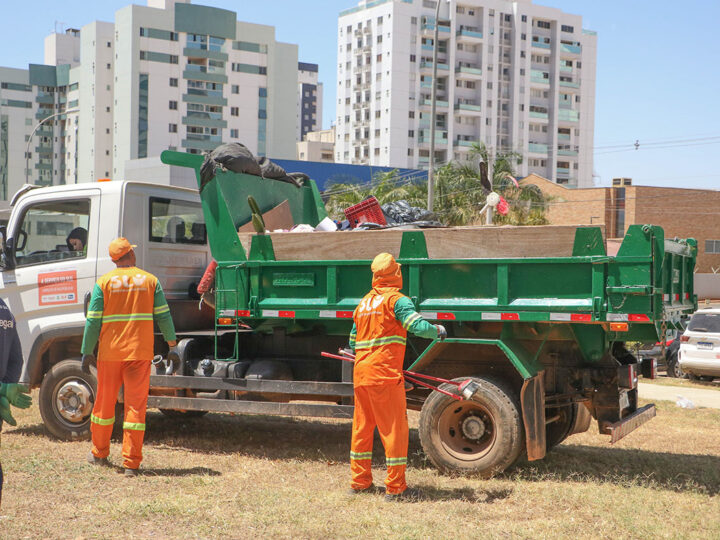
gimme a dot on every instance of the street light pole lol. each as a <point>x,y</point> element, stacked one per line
<point>433,94</point>
<point>27,147</point>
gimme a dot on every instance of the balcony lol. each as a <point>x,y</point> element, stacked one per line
<point>563,136</point>
<point>469,35</point>
<point>566,152</point>
<point>539,77</point>
<point>566,69</point>
<point>468,108</point>
<point>537,148</point>
<point>568,115</point>
<point>439,103</point>
<point>570,84</point>
<point>538,114</point>
<point>561,171</point>
<point>427,65</point>
<point>540,44</point>
<point>572,49</point>
<point>428,29</point>
<point>468,72</point>
<point>465,144</point>
<point>440,137</point>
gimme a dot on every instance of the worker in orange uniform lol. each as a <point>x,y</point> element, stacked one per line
<point>382,321</point>
<point>123,306</point>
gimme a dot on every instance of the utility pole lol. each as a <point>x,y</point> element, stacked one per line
<point>433,95</point>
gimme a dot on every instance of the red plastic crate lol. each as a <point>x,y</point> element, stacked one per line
<point>367,211</point>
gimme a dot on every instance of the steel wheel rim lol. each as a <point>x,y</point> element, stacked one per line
<point>73,401</point>
<point>453,437</point>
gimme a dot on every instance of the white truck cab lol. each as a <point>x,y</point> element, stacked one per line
<point>55,248</point>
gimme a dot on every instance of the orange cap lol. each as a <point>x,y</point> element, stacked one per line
<point>119,247</point>
<point>386,272</point>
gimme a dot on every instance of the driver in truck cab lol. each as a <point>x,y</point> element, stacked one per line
<point>123,306</point>
<point>381,323</point>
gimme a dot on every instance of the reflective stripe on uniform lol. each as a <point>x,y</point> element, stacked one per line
<point>377,342</point>
<point>161,309</point>
<point>94,314</point>
<point>396,461</point>
<point>102,421</point>
<point>360,455</point>
<point>134,425</point>
<point>126,317</point>
<point>411,319</point>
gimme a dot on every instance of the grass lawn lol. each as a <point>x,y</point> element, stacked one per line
<point>270,477</point>
<point>683,383</point>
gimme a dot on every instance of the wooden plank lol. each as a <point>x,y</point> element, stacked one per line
<point>447,243</point>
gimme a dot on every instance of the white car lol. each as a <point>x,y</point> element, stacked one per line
<point>699,354</point>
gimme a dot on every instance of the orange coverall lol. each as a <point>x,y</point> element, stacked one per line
<point>124,302</point>
<point>379,341</point>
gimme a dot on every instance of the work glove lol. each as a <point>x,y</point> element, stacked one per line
<point>16,394</point>
<point>5,412</point>
<point>173,361</point>
<point>87,361</point>
<point>442,333</point>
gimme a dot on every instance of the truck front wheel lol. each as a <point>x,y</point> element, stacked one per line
<point>67,395</point>
<point>482,436</point>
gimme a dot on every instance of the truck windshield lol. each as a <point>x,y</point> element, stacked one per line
<point>705,322</point>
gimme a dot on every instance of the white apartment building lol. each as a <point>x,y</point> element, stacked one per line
<point>168,75</point>
<point>511,74</point>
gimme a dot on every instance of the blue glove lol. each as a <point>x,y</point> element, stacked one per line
<point>16,394</point>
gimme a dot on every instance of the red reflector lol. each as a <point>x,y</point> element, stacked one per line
<point>619,327</point>
<point>344,314</point>
<point>677,297</point>
<point>668,342</point>
<point>509,316</point>
<point>687,295</point>
<point>243,312</point>
<point>287,314</point>
<point>684,338</point>
<point>638,317</point>
<point>587,317</point>
<point>446,316</point>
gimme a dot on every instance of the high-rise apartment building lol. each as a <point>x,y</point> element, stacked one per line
<point>510,74</point>
<point>310,93</point>
<point>169,75</point>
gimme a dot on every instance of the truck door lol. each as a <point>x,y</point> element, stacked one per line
<point>54,246</point>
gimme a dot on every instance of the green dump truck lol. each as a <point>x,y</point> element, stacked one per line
<point>538,316</point>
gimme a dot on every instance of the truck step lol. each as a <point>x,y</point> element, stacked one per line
<point>622,427</point>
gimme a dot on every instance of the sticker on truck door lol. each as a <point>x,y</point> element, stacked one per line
<point>57,288</point>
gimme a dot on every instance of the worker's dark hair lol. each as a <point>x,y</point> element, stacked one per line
<point>78,233</point>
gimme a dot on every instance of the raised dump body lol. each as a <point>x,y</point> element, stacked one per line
<point>538,316</point>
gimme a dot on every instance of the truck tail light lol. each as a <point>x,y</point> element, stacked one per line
<point>648,368</point>
<point>225,321</point>
<point>684,338</point>
<point>638,317</point>
<point>618,327</point>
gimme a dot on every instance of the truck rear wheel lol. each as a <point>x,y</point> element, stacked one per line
<point>67,395</point>
<point>481,436</point>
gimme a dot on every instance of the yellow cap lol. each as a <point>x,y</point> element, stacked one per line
<point>119,247</point>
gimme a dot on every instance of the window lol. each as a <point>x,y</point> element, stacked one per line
<point>176,222</point>
<point>173,105</point>
<point>234,134</point>
<point>53,231</point>
<point>524,18</point>
<point>234,111</point>
<point>411,133</point>
<point>543,24</point>
<point>173,82</point>
<point>566,28</point>
<point>712,246</point>
<point>172,128</point>
<point>235,88</point>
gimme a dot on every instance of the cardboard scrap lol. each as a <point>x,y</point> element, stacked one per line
<point>279,217</point>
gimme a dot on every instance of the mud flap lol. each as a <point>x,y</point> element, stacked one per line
<point>532,400</point>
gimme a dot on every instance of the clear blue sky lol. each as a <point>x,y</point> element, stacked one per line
<point>658,76</point>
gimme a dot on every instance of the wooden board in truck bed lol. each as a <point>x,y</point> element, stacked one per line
<point>478,242</point>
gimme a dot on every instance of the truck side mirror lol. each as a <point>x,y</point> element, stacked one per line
<point>8,253</point>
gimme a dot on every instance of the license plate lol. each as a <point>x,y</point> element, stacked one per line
<point>704,345</point>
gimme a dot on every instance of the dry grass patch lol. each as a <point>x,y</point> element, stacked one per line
<point>259,477</point>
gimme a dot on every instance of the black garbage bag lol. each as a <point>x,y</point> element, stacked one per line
<point>401,212</point>
<point>268,169</point>
<point>234,157</point>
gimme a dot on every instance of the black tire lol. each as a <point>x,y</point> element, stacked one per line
<point>559,430</point>
<point>67,395</point>
<point>673,367</point>
<point>179,415</point>
<point>489,444</point>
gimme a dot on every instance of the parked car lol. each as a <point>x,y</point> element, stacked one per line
<point>666,355</point>
<point>699,354</point>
